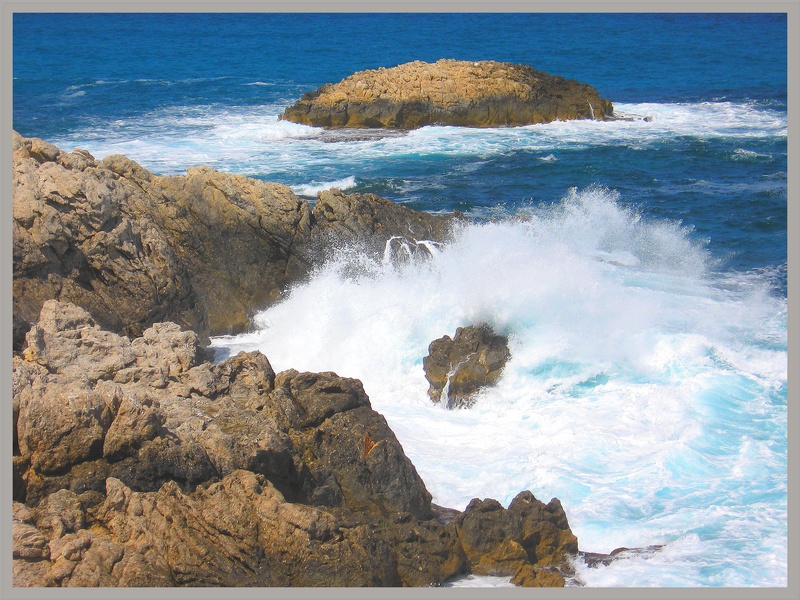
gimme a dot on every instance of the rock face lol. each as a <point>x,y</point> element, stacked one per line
<point>500,541</point>
<point>204,250</point>
<point>82,233</point>
<point>457,368</point>
<point>448,92</point>
<point>377,225</point>
<point>137,463</point>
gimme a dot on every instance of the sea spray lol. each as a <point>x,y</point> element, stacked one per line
<point>642,386</point>
<point>311,189</point>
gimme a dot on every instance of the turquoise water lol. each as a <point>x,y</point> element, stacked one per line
<point>643,291</point>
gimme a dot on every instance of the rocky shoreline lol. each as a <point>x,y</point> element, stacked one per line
<point>448,92</point>
<point>137,461</point>
<point>204,250</point>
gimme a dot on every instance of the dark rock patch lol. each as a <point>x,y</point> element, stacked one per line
<point>457,368</point>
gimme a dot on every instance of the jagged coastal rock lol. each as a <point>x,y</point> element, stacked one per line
<point>204,250</point>
<point>137,463</point>
<point>457,368</point>
<point>377,225</point>
<point>448,92</point>
<point>83,233</point>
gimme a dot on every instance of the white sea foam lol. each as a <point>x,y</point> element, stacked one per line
<point>311,189</point>
<point>749,155</point>
<point>473,581</point>
<point>253,140</point>
<point>646,392</point>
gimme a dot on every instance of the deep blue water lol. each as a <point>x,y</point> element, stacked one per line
<point>130,70</point>
<point>646,290</point>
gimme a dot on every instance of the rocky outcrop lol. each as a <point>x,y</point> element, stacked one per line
<point>529,541</point>
<point>82,233</point>
<point>448,92</point>
<point>459,367</point>
<point>204,250</point>
<point>377,226</point>
<point>237,237</point>
<point>138,463</point>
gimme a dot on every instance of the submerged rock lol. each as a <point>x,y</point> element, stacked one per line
<point>595,559</point>
<point>448,92</point>
<point>137,463</point>
<point>457,368</point>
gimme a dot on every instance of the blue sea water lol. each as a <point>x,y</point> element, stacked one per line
<point>638,266</point>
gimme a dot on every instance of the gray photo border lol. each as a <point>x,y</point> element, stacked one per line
<point>790,7</point>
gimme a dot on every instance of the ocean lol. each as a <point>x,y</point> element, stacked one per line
<point>638,266</point>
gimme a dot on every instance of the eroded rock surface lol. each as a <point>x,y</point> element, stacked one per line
<point>529,541</point>
<point>138,463</point>
<point>84,234</point>
<point>205,250</point>
<point>457,368</point>
<point>448,92</point>
<point>377,225</point>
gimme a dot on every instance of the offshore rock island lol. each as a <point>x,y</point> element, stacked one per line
<point>138,461</point>
<point>448,92</point>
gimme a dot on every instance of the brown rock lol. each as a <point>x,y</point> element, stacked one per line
<point>60,425</point>
<point>530,541</point>
<point>237,532</point>
<point>138,419</point>
<point>448,92</point>
<point>381,227</point>
<point>329,418</point>
<point>26,540</point>
<point>162,470</point>
<point>67,340</point>
<point>83,234</point>
<point>204,250</point>
<point>235,235</point>
<point>459,367</point>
